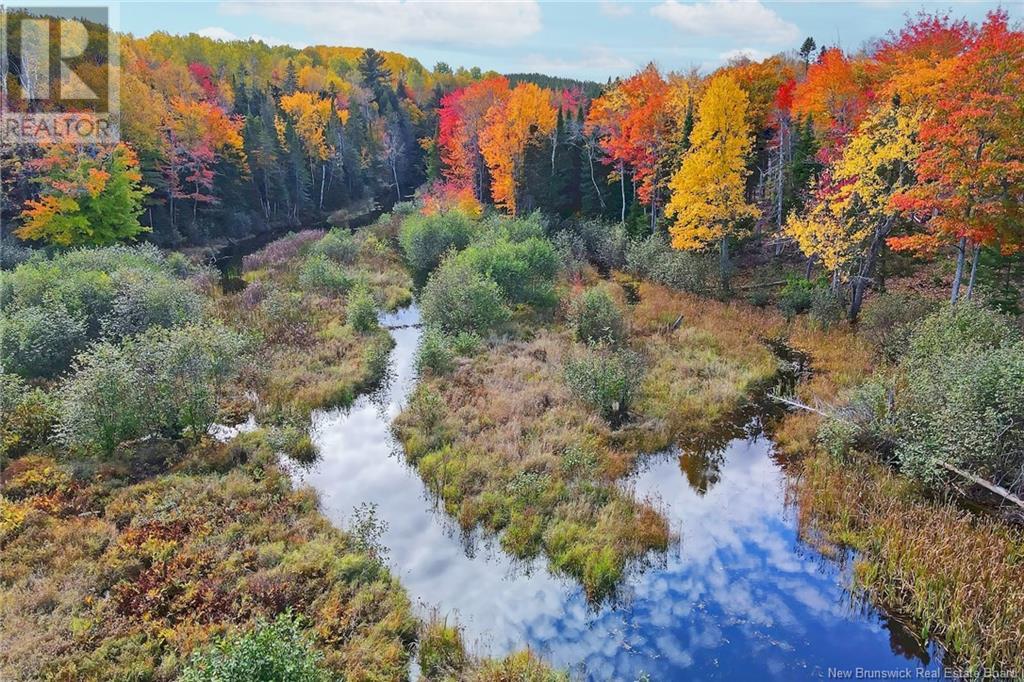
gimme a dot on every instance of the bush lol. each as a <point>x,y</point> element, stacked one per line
<point>887,321</point>
<point>827,307</point>
<point>28,416</point>
<point>796,297</point>
<point>434,354</point>
<point>361,310</point>
<point>339,245</point>
<point>571,250</point>
<point>523,270</point>
<point>458,298</point>
<point>147,300</point>
<point>652,258</point>
<point>276,651</point>
<point>40,341</point>
<point>85,282</point>
<point>320,274</point>
<point>956,396</point>
<point>605,243</point>
<point>606,381</point>
<point>596,318</point>
<point>426,239</point>
<point>165,381</point>
<point>13,253</point>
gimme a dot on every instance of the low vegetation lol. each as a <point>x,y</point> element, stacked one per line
<point>528,435</point>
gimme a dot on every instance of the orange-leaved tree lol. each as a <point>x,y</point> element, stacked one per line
<point>512,124</point>
<point>971,168</point>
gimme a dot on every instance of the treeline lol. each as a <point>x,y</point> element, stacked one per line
<point>909,145</point>
<point>229,139</point>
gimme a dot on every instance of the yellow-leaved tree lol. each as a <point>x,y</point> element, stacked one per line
<point>854,214</point>
<point>708,189</point>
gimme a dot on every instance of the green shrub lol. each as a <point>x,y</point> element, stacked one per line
<point>523,270</point>
<point>13,253</point>
<point>28,416</point>
<point>796,297</point>
<point>606,381</point>
<point>652,258</point>
<point>827,307</point>
<point>434,354</point>
<point>571,250</point>
<point>361,310</point>
<point>293,440</point>
<point>147,300</point>
<point>40,341</point>
<point>596,318</point>
<point>320,274</point>
<point>888,320</point>
<point>164,381</point>
<point>605,243</point>
<point>339,245</point>
<point>956,396</point>
<point>426,239</point>
<point>466,343</point>
<point>277,651</point>
<point>458,298</point>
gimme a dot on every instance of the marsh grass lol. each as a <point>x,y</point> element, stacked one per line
<point>443,656</point>
<point>960,577</point>
<point>320,350</point>
<point>504,443</point>
<point>140,575</point>
<point>954,574</point>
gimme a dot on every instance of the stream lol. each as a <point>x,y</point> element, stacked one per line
<point>738,597</point>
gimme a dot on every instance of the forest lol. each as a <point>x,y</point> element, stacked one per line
<point>527,292</point>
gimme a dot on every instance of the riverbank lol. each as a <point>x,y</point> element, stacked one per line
<point>126,564</point>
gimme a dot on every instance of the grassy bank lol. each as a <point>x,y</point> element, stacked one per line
<point>948,572</point>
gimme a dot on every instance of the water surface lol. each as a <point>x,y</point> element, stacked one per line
<point>738,597</point>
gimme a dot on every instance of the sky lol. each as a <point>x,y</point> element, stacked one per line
<point>589,40</point>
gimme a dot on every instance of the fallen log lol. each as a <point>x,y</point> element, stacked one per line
<point>987,485</point>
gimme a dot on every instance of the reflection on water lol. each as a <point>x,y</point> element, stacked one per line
<point>739,597</point>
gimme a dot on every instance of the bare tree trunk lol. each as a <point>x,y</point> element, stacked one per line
<point>590,160</point>
<point>810,268</point>
<point>961,252</point>
<point>860,282</point>
<point>974,270</point>
<point>323,181</point>
<point>622,188</point>
<point>398,188</point>
<point>723,261</point>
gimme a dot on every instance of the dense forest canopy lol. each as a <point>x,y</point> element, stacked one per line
<point>847,155</point>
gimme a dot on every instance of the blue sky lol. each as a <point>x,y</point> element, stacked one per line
<point>592,40</point>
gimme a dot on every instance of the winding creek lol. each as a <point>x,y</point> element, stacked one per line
<point>738,597</point>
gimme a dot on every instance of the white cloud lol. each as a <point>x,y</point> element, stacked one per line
<point>403,21</point>
<point>592,63</point>
<point>731,18</point>
<point>221,33</point>
<point>217,33</point>
<point>615,9</point>
<point>750,53</point>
